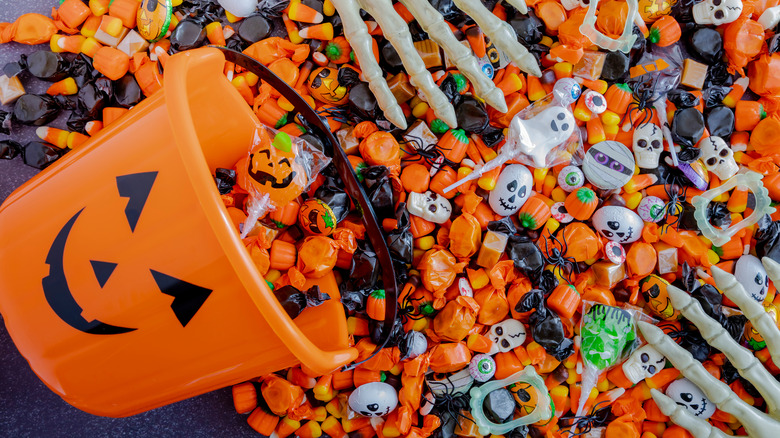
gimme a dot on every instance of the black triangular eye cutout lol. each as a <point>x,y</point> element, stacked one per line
<point>135,186</point>
<point>103,271</point>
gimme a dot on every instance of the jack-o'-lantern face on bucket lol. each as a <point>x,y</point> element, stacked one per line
<point>324,86</point>
<point>272,169</point>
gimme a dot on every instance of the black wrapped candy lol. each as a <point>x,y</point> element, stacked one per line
<point>35,109</point>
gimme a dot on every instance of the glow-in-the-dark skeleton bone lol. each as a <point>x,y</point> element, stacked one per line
<point>396,31</point>
<point>756,423</point>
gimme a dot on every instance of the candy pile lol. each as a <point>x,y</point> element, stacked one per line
<point>533,238</point>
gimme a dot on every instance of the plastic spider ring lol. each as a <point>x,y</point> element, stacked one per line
<point>626,40</point>
<point>560,214</point>
<point>750,180</point>
<point>541,412</point>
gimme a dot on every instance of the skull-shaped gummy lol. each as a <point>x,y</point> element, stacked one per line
<point>648,144</point>
<point>506,335</point>
<point>429,206</point>
<point>717,12</point>
<point>718,157</point>
<point>643,363</point>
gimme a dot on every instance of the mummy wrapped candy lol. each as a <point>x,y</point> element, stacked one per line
<point>689,396</point>
<point>643,363</point>
<point>752,276</point>
<point>618,224</point>
<point>513,188</point>
<point>718,157</point>
<point>648,144</point>
<point>429,206</point>
<point>430,20</point>
<point>373,399</point>
<point>506,335</point>
<point>717,12</point>
<point>608,165</point>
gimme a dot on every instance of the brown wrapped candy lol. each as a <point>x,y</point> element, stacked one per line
<point>465,236</point>
<point>317,256</point>
<point>456,319</point>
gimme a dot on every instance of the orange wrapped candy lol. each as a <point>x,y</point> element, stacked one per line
<point>28,29</point>
<point>742,41</point>
<point>450,357</point>
<point>493,305</point>
<point>280,395</point>
<point>465,236</point>
<point>456,319</point>
<point>577,240</point>
<point>317,256</point>
<point>438,268</point>
<point>270,49</point>
<point>612,18</point>
<point>381,149</point>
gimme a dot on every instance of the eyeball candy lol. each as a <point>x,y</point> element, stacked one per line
<point>559,213</point>
<point>513,188</point>
<point>571,178</point>
<point>316,217</point>
<point>482,367</point>
<point>566,91</point>
<point>618,224</point>
<point>651,209</point>
<point>608,165</point>
<point>374,399</point>
<point>615,252</point>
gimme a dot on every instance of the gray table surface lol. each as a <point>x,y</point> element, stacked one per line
<point>27,406</point>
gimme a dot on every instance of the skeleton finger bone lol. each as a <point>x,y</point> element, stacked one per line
<point>356,33</point>
<point>680,416</point>
<point>745,362</point>
<point>756,423</point>
<point>754,311</point>
<point>433,24</point>
<point>396,31</point>
<point>502,35</point>
<point>519,5</point>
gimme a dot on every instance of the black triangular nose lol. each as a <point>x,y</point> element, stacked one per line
<point>512,199</point>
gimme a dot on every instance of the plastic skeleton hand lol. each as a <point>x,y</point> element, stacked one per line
<point>396,31</point>
<point>757,424</point>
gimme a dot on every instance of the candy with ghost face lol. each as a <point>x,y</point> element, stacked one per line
<point>618,224</point>
<point>689,396</point>
<point>752,276</point>
<point>374,399</point>
<point>608,165</point>
<point>513,188</point>
<point>539,135</point>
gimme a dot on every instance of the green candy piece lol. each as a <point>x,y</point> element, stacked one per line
<point>283,142</point>
<point>606,333</point>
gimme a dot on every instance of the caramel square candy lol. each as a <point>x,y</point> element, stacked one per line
<point>401,88</point>
<point>10,89</point>
<point>590,65</point>
<point>493,246</point>
<point>429,52</point>
<point>667,258</point>
<point>694,74</point>
<point>419,136</point>
<point>132,43</point>
<point>347,141</point>
<point>609,274</point>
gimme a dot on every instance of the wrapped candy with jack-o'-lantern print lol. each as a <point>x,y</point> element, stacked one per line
<point>653,289</point>
<point>276,171</point>
<point>331,86</point>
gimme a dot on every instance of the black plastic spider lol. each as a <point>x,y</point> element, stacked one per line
<point>450,406</point>
<point>557,258</point>
<point>673,331</point>
<point>432,154</point>
<point>338,113</point>
<point>643,103</point>
<point>674,207</point>
<point>410,309</point>
<point>582,425</point>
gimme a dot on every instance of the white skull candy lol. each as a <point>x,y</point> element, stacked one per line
<point>689,396</point>
<point>648,144</point>
<point>513,188</point>
<point>618,224</point>
<point>718,157</point>
<point>506,335</point>
<point>429,206</point>
<point>717,12</point>
<point>752,276</point>
<point>643,363</point>
<point>542,133</point>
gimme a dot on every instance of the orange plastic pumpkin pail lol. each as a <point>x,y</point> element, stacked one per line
<point>122,279</point>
